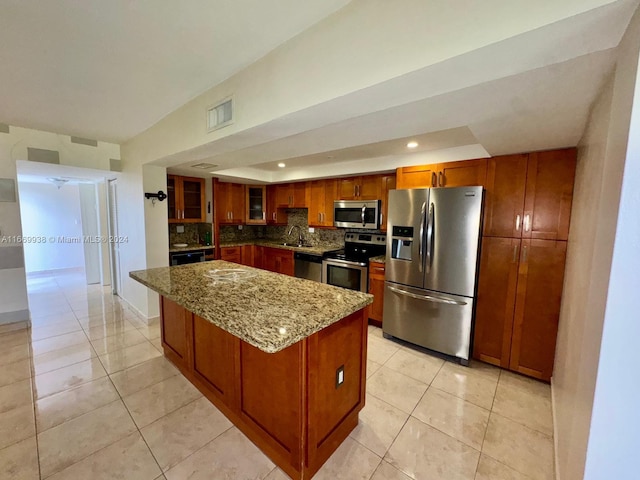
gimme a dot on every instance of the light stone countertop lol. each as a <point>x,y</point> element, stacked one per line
<point>378,259</point>
<point>270,311</point>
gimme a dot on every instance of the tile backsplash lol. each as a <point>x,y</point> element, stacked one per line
<point>193,233</point>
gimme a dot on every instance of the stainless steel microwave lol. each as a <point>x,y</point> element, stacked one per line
<point>356,213</point>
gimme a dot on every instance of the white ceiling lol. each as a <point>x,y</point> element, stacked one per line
<point>109,69</point>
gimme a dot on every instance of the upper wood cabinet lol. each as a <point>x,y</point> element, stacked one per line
<point>186,199</point>
<point>320,197</point>
<point>465,173</point>
<point>229,202</point>
<point>291,195</point>
<point>275,215</point>
<point>256,203</point>
<point>365,187</point>
<point>388,182</point>
<point>529,196</point>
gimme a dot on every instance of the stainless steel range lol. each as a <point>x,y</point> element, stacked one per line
<point>349,267</point>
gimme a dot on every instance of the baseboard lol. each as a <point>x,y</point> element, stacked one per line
<point>556,470</point>
<point>15,316</point>
<point>55,271</point>
<point>131,307</point>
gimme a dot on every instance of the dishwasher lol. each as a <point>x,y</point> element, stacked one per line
<point>307,265</point>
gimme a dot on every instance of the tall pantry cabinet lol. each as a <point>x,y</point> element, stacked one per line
<point>526,227</point>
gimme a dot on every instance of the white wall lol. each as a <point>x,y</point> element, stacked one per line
<point>51,212</point>
<point>592,283</point>
<point>90,229</point>
<point>13,147</point>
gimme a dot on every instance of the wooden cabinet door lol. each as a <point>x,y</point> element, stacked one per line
<point>347,188</point>
<point>193,200</point>
<point>299,195</point>
<point>549,192</point>
<point>275,214</point>
<point>369,187</point>
<point>388,183</point>
<point>173,196</point>
<point>538,295</point>
<point>270,259</point>
<point>467,173</point>
<point>316,192</point>
<point>504,197</point>
<point>283,195</point>
<point>237,202</point>
<point>376,288</point>
<point>256,208</point>
<point>421,176</point>
<point>497,281</point>
<point>247,255</point>
<point>173,326</point>
<point>330,194</point>
<point>285,263</point>
<point>222,202</point>
<point>231,254</point>
<point>258,255</point>
<point>213,358</point>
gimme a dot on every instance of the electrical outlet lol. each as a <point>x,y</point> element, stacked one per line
<point>339,376</point>
<point>312,230</point>
<point>239,227</point>
<point>180,229</point>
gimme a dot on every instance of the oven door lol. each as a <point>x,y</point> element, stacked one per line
<point>345,274</point>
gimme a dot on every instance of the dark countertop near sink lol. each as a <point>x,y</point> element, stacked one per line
<point>314,250</point>
<point>190,248</point>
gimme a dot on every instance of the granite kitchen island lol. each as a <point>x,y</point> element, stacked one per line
<point>283,358</point>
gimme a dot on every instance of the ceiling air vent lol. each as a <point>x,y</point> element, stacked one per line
<point>204,166</point>
<point>220,115</point>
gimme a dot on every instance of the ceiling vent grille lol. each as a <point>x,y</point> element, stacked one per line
<point>220,115</point>
<point>204,166</point>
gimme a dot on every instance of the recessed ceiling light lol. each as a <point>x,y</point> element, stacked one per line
<point>282,165</point>
<point>412,144</point>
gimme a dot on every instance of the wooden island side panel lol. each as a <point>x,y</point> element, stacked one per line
<point>288,403</point>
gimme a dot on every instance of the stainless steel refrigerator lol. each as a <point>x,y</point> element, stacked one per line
<point>431,264</point>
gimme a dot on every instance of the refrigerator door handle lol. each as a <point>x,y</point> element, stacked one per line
<point>421,243</point>
<point>428,298</point>
<point>430,236</point>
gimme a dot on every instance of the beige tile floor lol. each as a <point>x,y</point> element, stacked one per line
<point>86,393</point>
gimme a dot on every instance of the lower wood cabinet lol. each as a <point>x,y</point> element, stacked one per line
<point>287,403</point>
<point>173,321</point>
<point>519,294</point>
<point>376,288</point>
<point>277,260</point>
<point>231,254</point>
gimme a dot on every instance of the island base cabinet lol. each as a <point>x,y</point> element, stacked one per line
<point>297,405</point>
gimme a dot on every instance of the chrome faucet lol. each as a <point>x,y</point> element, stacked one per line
<point>300,239</point>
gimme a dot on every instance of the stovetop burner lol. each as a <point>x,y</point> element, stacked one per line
<point>359,247</point>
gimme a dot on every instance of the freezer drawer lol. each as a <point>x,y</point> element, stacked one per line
<point>433,320</point>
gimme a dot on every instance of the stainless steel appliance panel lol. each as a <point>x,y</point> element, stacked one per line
<point>440,322</point>
<point>308,266</point>
<point>345,274</point>
<point>452,237</point>
<point>356,213</point>
<point>406,236</point>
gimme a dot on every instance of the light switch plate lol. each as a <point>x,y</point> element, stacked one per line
<point>180,229</point>
<point>312,230</point>
<point>339,376</point>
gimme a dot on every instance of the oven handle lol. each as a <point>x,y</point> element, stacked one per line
<point>345,263</point>
<point>428,298</point>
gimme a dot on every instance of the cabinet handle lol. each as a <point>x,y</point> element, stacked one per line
<point>518,223</point>
<point>440,178</point>
<point>433,179</point>
<point>322,217</point>
<point>381,219</point>
<point>524,254</point>
<point>527,223</point>
<point>264,215</point>
<point>515,253</point>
